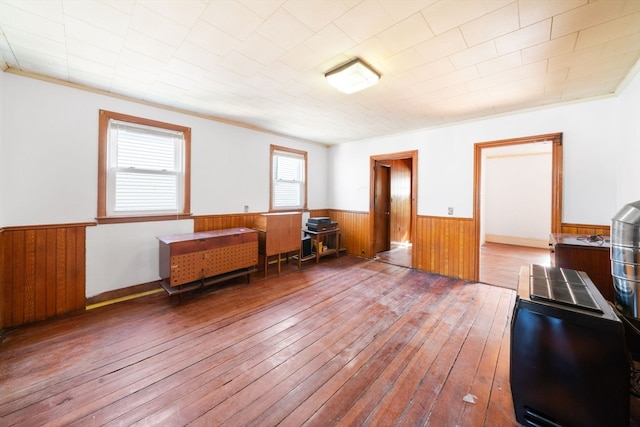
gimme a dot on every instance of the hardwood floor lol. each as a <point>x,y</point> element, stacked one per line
<point>347,341</point>
<point>399,254</point>
<point>500,263</point>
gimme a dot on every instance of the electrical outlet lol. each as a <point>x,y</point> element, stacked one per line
<point>450,211</point>
<point>246,208</point>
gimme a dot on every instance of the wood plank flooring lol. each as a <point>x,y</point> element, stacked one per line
<point>500,263</point>
<point>346,342</point>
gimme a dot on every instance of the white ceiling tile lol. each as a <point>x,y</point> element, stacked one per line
<point>300,58</point>
<point>18,11</point>
<point>536,70</point>
<point>409,32</point>
<point>212,39</point>
<point>284,30</point>
<point>400,10</point>
<point>262,8</point>
<point>99,15</point>
<point>232,17</point>
<point>147,46</point>
<point>586,16</point>
<point>473,55</point>
<point>491,25</point>
<point>584,56</point>
<point>365,20</point>
<point>523,38</point>
<point>611,30</point>
<point>126,6</point>
<point>240,64</point>
<point>89,34</point>
<point>260,49</point>
<point>451,79</point>
<point>80,49</point>
<point>555,47</point>
<point>197,55</point>
<point>185,68</point>
<point>29,43</point>
<point>532,11</point>
<point>500,64</point>
<point>315,14</point>
<point>442,45</point>
<point>185,13</point>
<point>447,14</point>
<point>31,23</point>
<point>278,71</point>
<point>262,62</point>
<point>154,25</point>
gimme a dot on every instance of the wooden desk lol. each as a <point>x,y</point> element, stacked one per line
<point>321,239</point>
<point>576,252</point>
<point>278,234</point>
<point>189,261</point>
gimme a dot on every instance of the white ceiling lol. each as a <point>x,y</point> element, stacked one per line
<point>261,63</point>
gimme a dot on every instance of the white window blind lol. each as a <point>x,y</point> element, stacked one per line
<point>145,169</point>
<point>288,180</point>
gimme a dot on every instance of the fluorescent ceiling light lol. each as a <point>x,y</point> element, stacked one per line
<point>352,76</point>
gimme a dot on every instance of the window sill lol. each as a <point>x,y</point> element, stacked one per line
<point>141,218</point>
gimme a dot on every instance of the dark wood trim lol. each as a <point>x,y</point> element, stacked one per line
<point>103,126</point>
<point>306,186</point>
<point>556,180</point>
<point>48,226</point>
<point>413,155</point>
<point>145,218</point>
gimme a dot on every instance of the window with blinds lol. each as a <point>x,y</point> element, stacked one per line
<point>288,183</point>
<point>144,168</point>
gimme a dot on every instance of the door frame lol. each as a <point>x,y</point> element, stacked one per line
<point>556,184</point>
<point>413,156</point>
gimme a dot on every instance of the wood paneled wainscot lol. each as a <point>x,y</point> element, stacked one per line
<point>188,261</point>
<point>42,273</point>
<point>278,234</point>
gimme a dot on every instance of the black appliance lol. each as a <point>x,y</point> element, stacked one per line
<point>325,226</point>
<point>319,220</point>
<point>569,361</point>
<point>306,246</point>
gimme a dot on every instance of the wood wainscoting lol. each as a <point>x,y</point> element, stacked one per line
<point>354,232</point>
<point>43,272</point>
<point>446,246</point>
<point>443,245</point>
<point>602,230</point>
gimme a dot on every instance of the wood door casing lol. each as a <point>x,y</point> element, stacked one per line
<point>412,163</point>
<point>382,208</point>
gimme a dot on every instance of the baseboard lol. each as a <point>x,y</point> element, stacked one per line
<point>517,241</point>
<point>123,293</point>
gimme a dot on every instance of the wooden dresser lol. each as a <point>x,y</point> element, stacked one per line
<point>191,260</point>
<point>578,252</point>
<point>278,234</point>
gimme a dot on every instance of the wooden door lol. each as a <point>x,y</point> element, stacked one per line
<point>382,208</point>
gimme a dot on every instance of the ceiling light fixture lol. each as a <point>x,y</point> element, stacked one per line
<point>352,76</point>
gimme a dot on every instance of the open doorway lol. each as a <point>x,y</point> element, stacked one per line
<point>393,207</point>
<point>517,204</point>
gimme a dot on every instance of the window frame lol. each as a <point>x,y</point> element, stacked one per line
<point>274,149</point>
<point>103,169</point>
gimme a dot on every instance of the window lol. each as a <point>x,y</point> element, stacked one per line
<point>288,179</point>
<point>144,169</point>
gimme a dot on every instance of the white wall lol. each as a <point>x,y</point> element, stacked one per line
<point>2,171</point>
<point>517,195</point>
<point>595,132</point>
<point>628,147</point>
<point>49,173</point>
